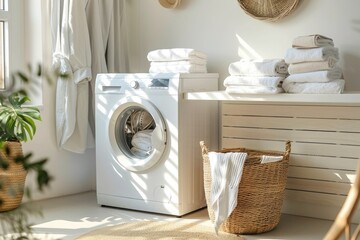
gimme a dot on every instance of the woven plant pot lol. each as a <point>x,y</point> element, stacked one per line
<point>268,10</point>
<point>260,195</point>
<point>12,179</point>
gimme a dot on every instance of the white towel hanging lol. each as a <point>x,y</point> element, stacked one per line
<point>226,172</point>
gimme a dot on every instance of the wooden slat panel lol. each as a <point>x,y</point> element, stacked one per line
<point>319,205</point>
<point>340,112</point>
<point>318,186</point>
<point>333,175</point>
<point>293,135</point>
<point>325,149</point>
<point>315,198</point>
<point>296,147</point>
<point>313,209</point>
<point>292,123</point>
<point>255,144</point>
<point>323,162</point>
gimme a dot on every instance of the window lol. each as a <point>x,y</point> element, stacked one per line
<point>3,41</point>
<point>11,39</point>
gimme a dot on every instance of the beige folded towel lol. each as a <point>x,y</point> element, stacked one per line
<point>318,76</point>
<point>258,67</point>
<point>312,41</point>
<point>312,66</point>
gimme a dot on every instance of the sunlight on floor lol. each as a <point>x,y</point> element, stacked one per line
<point>71,216</point>
<point>70,224</point>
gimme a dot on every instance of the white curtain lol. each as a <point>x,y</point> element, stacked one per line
<point>107,30</point>
<point>87,39</point>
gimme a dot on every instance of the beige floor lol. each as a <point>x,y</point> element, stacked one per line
<point>70,216</point>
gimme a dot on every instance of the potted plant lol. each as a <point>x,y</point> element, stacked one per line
<point>17,124</point>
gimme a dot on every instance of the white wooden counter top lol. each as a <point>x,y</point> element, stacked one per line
<point>348,98</point>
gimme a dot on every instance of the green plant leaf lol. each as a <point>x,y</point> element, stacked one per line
<point>23,77</point>
<point>17,121</point>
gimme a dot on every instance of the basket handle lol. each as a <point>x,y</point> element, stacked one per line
<point>204,149</point>
<point>287,148</point>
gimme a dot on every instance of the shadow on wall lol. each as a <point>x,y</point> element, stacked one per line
<point>352,63</point>
<point>356,24</point>
<point>351,66</point>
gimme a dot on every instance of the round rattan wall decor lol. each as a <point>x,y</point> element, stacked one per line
<point>170,3</point>
<point>268,10</point>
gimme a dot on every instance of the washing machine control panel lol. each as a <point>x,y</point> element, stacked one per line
<point>159,83</point>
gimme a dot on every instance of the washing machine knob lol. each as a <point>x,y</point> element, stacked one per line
<point>134,84</point>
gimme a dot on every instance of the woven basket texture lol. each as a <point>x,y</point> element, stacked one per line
<point>170,3</point>
<point>268,10</point>
<point>12,179</point>
<point>260,195</point>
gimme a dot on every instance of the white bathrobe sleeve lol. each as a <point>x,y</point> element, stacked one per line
<point>71,56</point>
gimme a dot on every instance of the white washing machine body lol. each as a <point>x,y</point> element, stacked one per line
<point>166,176</point>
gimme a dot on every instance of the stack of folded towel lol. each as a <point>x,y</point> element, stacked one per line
<point>313,66</point>
<point>177,60</point>
<point>256,76</point>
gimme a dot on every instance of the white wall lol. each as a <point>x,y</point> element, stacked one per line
<point>219,28</point>
<point>225,32</point>
<point>73,173</point>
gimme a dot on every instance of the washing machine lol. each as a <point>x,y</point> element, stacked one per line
<point>148,156</point>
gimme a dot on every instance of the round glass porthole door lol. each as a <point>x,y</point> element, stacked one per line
<point>137,134</point>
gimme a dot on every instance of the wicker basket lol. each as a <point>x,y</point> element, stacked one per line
<point>260,195</point>
<point>268,10</point>
<point>12,179</point>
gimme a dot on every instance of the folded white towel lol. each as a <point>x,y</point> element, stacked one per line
<point>296,55</point>
<point>258,67</point>
<point>266,81</point>
<point>175,54</point>
<point>226,172</point>
<point>312,41</point>
<point>180,68</point>
<point>318,76</point>
<point>253,90</point>
<point>195,61</point>
<point>312,66</point>
<point>335,86</point>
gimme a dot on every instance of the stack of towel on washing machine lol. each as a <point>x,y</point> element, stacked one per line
<point>313,66</point>
<point>256,76</point>
<point>177,60</point>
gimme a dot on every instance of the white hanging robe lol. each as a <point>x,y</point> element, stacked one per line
<point>72,56</point>
<point>107,31</point>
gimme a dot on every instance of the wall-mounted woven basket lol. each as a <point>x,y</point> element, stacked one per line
<point>169,3</point>
<point>268,10</point>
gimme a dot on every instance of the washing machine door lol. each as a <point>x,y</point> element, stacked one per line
<point>137,133</point>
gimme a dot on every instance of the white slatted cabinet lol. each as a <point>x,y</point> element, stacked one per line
<point>325,134</point>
